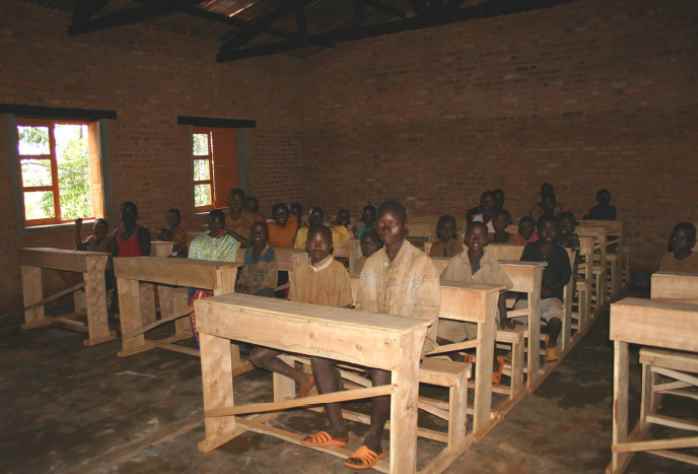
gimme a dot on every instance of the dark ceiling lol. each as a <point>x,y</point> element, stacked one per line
<point>249,28</point>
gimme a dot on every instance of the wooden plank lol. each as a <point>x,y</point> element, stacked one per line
<point>217,383</point>
<point>96,301</point>
<point>171,271</point>
<point>673,455</point>
<point>676,375</point>
<point>466,302</point>
<point>486,334</point>
<point>456,347</point>
<point>656,444</point>
<point>32,293</point>
<point>669,359</point>
<point>57,259</point>
<point>319,330</point>
<point>334,397</point>
<point>130,316</point>
<point>505,252</point>
<point>403,405</point>
<point>651,323</point>
<point>675,286</point>
<point>621,375</point>
<point>673,422</point>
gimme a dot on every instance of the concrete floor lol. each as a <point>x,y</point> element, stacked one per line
<point>69,409</point>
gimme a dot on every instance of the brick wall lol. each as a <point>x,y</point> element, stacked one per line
<point>149,76</point>
<point>589,95</point>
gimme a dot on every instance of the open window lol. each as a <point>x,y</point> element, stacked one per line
<point>59,170</point>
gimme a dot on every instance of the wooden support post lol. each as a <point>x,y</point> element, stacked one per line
<point>403,408</point>
<point>131,317</point>
<point>284,387</point>
<point>96,302</point>
<point>486,331</point>
<point>533,338</point>
<point>32,291</point>
<point>646,403</point>
<point>147,291</point>
<point>217,380</point>
<point>518,358</point>
<point>621,373</point>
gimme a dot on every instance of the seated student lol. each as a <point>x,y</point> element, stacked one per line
<point>547,204</point>
<point>527,232</point>
<point>260,273</point>
<point>174,233</point>
<point>448,244</point>
<point>282,230</point>
<point>398,279</point>
<point>252,205</point>
<point>499,199</point>
<point>568,238</point>
<point>501,221</point>
<point>555,276</point>
<point>323,281</point>
<point>341,232</point>
<point>296,214</point>
<point>475,265</point>
<point>681,257</point>
<point>367,223</point>
<point>216,245</point>
<point>315,218</point>
<point>130,239</point>
<point>97,241</point>
<point>240,219</point>
<point>485,212</point>
<point>370,244</point>
<point>603,211</point>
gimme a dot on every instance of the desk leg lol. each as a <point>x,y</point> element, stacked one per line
<point>33,292</point>
<point>482,404</point>
<point>621,374</point>
<point>403,409</point>
<point>533,338</point>
<point>217,380</point>
<point>96,302</point>
<point>130,316</point>
<point>147,291</point>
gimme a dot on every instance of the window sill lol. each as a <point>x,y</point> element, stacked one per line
<point>64,225</point>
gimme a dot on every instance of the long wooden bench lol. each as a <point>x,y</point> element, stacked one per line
<point>656,324</point>
<point>674,286</point>
<point>598,265</point>
<point>617,245</point>
<point>366,339</point>
<point>91,265</point>
<point>137,311</point>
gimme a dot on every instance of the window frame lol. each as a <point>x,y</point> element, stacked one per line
<point>210,157</point>
<point>51,157</point>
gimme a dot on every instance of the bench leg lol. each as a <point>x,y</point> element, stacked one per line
<point>32,292</point>
<point>96,302</point>
<point>130,317</point>
<point>147,291</point>
<point>457,417</point>
<point>621,374</point>
<point>284,387</point>
<point>517,367</point>
<point>646,407</point>
<point>217,382</point>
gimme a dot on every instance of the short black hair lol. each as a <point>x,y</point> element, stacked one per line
<point>238,192</point>
<point>321,229</point>
<point>176,212</point>
<point>567,215</point>
<point>395,207</point>
<point>317,210</point>
<point>603,192</point>
<point>277,207</point>
<point>527,219</point>
<point>445,219</point>
<point>217,214</point>
<point>544,220</point>
<point>687,227</point>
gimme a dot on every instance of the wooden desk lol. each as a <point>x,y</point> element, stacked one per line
<point>92,265</point>
<point>675,286</point>
<point>367,339</point>
<point>505,251</point>
<point>669,325</point>
<point>137,312</point>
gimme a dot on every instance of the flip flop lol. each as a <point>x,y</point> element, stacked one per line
<point>367,458</point>
<point>324,439</point>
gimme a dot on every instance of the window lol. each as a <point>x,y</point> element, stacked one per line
<point>57,171</point>
<point>204,191</point>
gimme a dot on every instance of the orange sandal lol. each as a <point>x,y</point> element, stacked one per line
<point>366,457</point>
<point>324,439</point>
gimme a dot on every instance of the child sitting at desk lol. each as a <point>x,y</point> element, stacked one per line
<point>603,211</point>
<point>217,245</point>
<point>316,218</point>
<point>568,237</point>
<point>502,220</point>
<point>259,275</point>
<point>556,275</point>
<point>341,230</point>
<point>282,230</point>
<point>174,233</point>
<point>323,281</point>
<point>527,232</point>
<point>681,257</point>
<point>448,244</point>
<point>370,244</point>
<point>398,279</point>
<point>475,265</point>
<point>130,239</point>
<point>97,241</point>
